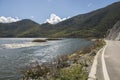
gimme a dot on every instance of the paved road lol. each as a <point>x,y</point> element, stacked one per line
<point>111,55</point>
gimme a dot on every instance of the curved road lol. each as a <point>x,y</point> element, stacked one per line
<point>109,68</point>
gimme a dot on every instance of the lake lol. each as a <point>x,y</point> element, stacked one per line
<point>17,53</point>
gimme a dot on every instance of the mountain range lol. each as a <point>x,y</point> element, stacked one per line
<point>95,24</point>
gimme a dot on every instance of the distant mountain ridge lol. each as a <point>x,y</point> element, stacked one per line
<point>17,28</point>
<point>94,24</point>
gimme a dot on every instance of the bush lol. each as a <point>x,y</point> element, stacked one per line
<point>36,71</point>
<point>74,72</point>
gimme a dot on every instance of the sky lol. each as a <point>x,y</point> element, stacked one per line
<point>40,10</point>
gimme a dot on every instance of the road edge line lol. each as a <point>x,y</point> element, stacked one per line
<point>104,68</point>
<point>92,74</point>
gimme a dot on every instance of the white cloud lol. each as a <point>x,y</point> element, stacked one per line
<point>32,17</point>
<point>90,4</point>
<point>8,19</point>
<point>54,19</point>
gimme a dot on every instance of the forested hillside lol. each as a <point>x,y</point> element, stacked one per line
<point>93,24</point>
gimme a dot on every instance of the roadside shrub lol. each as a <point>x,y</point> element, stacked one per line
<point>36,71</point>
<point>74,72</point>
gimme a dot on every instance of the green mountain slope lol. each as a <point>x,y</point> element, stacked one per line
<point>16,29</point>
<point>93,24</point>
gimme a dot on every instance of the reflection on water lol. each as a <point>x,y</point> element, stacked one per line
<point>21,45</point>
<point>16,53</point>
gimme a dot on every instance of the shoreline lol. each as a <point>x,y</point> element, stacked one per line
<point>81,61</point>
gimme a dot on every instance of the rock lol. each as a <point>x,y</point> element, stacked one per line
<point>51,39</point>
<point>39,40</point>
<point>114,33</point>
<point>45,40</point>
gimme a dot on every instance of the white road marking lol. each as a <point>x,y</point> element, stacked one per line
<point>92,74</point>
<point>105,73</point>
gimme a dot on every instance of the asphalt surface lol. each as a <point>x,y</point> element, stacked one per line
<point>112,62</point>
